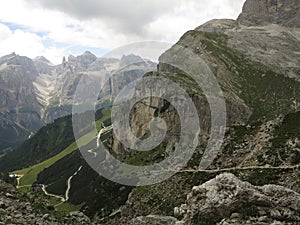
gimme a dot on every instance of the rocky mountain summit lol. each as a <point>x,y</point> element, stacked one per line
<point>266,31</point>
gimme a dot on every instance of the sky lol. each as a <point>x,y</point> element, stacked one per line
<point>57,28</point>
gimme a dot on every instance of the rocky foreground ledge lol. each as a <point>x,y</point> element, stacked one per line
<point>18,208</point>
<point>226,200</point>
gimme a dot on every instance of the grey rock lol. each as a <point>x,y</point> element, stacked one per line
<point>261,12</point>
<point>235,216</point>
<point>46,216</point>
<point>277,223</point>
<point>274,213</point>
<point>217,26</point>
<point>2,205</point>
<point>263,219</point>
<point>18,216</point>
<point>226,194</point>
<point>154,220</point>
<point>8,195</point>
<point>78,217</point>
<point>265,34</point>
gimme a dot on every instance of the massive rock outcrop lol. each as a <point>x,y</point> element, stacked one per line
<point>267,31</point>
<point>250,60</point>
<point>226,196</point>
<point>262,12</point>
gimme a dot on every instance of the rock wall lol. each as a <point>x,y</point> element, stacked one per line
<point>261,12</point>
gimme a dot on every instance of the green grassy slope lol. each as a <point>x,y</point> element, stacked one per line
<point>29,174</point>
<point>48,142</point>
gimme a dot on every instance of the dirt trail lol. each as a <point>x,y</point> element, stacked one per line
<point>67,193</point>
<point>242,168</point>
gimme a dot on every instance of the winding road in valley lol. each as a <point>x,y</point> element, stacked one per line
<point>66,197</point>
<point>51,195</point>
<point>67,193</point>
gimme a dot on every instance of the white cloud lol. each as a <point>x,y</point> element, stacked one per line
<point>26,43</point>
<point>5,32</point>
<point>103,24</point>
<point>190,15</point>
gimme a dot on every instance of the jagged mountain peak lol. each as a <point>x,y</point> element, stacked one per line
<point>41,59</point>
<point>6,58</point>
<point>130,59</point>
<point>86,58</point>
<point>87,53</point>
<point>13,54</point>
<point>70,58</point>
<point>15,59</point>
<point>262,12</point>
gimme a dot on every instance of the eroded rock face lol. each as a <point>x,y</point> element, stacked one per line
<point>228,197</point>
<point>262,12</point>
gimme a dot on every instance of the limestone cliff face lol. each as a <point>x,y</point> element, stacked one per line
<point>261,12</point>
<point>250,57</point>
<point>19,108</point>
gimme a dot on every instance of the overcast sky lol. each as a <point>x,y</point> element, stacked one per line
<point>56,28</point>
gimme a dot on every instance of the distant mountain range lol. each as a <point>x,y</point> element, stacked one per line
<point>34,92</point>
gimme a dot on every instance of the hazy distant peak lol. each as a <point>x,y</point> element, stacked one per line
<point>6,58</point>
<point>41,59</point>
<point>87,53</point>
<point>130,59</point>
<point>11,55</point>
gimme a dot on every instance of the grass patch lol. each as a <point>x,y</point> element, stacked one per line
<point>141,158</point>
<point>66,208</point>
<point>30,174</point>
